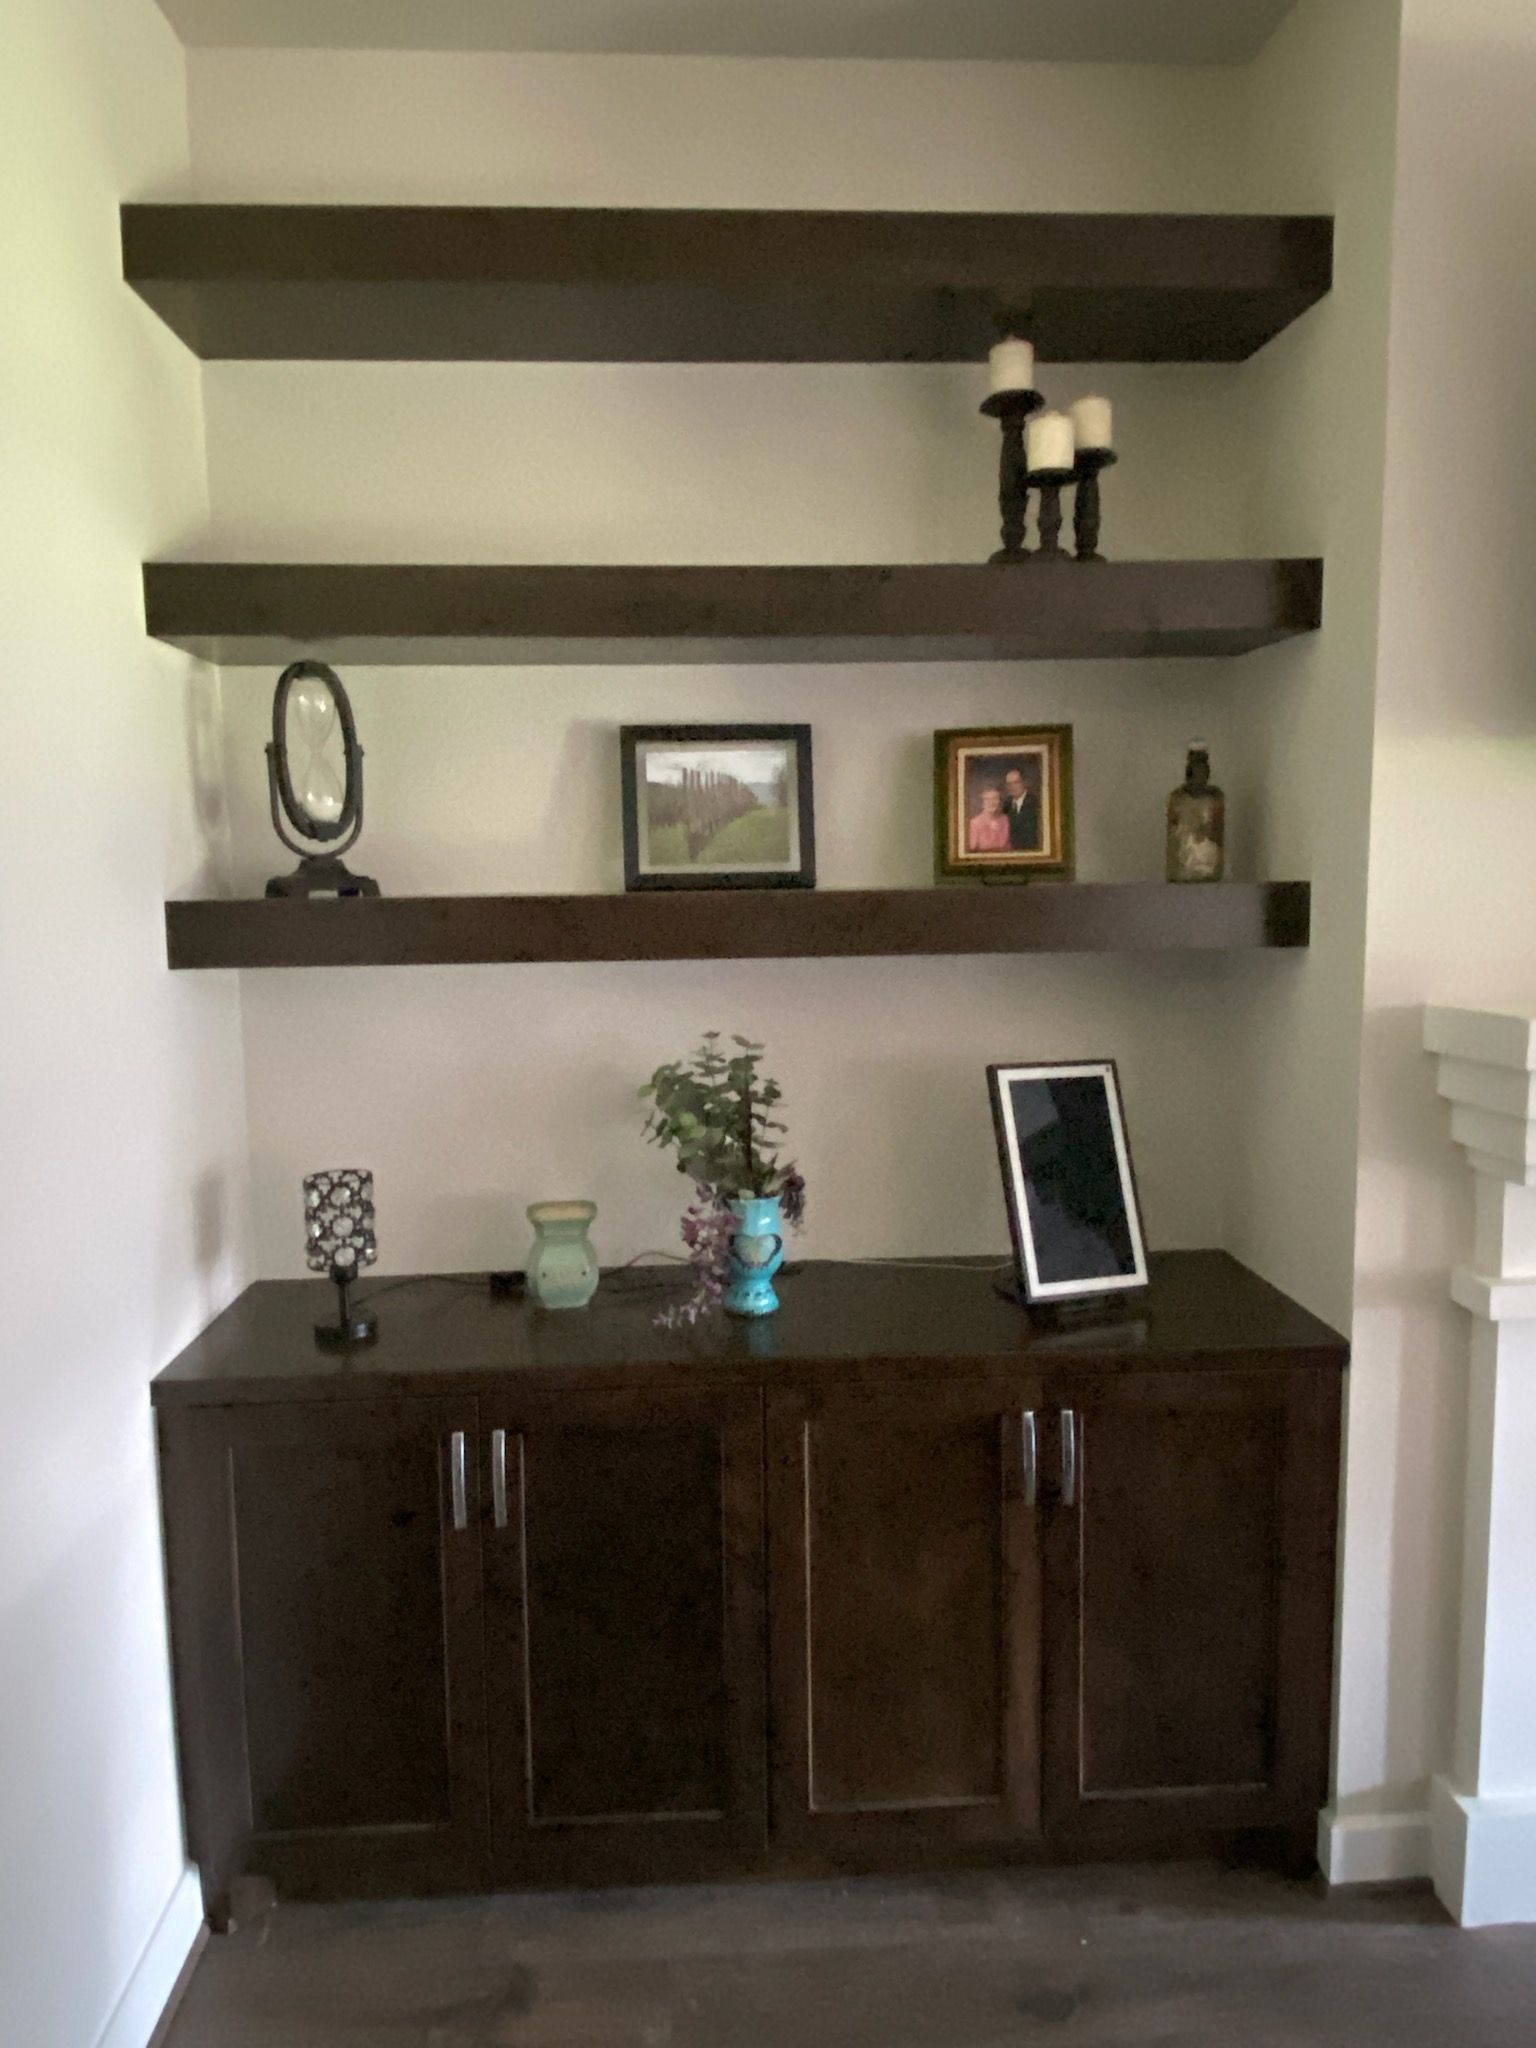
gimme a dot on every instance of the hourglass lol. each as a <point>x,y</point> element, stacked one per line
<point>315,780</point>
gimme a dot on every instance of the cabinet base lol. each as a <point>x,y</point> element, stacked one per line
<point>298,1872</point>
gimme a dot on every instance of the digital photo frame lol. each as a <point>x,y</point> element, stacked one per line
<point>1068,1181</point>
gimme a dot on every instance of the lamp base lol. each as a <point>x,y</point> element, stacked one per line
<point>344,1336</point>
<point>322,874</point>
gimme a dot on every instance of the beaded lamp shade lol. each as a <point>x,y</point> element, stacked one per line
<point>338,1222</point>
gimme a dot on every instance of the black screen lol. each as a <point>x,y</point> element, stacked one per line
<point>1077,1206</point>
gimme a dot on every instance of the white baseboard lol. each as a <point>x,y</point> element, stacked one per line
<point>1373,1848</point>
<point>1484,1857</point>
<point>153,1978</point>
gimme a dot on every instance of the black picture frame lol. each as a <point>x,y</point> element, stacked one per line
<point>641,872</point>
<point>1072,1246</point>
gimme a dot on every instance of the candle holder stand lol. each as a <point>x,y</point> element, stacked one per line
<point>1049,483</point>
<point>1086,510</point>
<point>1012,410</point>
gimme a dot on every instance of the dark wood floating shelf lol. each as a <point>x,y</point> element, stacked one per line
<point>249,612</point>
<point>594,284</point>
<point>1042,917</point>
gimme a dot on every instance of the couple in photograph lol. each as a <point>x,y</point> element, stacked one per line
<point>1009,818</point>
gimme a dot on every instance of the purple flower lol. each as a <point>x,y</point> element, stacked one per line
<point>707,1228</point>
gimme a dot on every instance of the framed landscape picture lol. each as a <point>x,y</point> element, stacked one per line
<point>1068,1180</point>
<point>1002,798</point>
<point>718,807</point>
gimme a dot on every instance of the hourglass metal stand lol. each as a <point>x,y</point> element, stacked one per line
<point>328,812</point>
<point>318,874</point>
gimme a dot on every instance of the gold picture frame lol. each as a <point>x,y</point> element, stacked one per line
<point>1002,803</point>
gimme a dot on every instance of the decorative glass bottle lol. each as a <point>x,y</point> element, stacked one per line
<point>562,1266</point>
<point>1197,822</point>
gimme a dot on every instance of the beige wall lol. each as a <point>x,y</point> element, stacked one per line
<point>122,1214</point>
<point>464,1092</point>
<point>1452,904</point>
<point>1321,138</point>
<point>699,131</point>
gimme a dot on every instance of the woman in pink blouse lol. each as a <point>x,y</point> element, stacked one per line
<point>988,831</point>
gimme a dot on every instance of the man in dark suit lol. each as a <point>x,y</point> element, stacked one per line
<point>1023,807</point>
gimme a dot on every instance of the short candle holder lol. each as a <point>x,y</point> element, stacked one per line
<point>1049,483</point>
<point>1086,510</point>
<point>1012,410</point>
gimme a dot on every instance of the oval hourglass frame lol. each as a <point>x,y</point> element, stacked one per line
<point>320,810</point>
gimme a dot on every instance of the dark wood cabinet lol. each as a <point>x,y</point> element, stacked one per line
<point>325,1596</point>
<point>894,1579</point>
<point>624,1632</point>
<point>1190,1571</point>
<point>905,1571</point>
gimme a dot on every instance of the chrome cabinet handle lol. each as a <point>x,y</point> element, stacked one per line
<point>458,1479</point>
<point>1069,1458</point>
<point>499,1477</point>
<point>1031,1459</point>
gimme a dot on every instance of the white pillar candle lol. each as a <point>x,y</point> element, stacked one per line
<point>1049,441</point>
<point>1012,365</point>
<point>1093,422</point>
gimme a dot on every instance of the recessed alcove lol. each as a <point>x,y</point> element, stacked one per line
<point>372,487</point>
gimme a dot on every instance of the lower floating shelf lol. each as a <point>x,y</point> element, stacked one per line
<point>1042,917</point>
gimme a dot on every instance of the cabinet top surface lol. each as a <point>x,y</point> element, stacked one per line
<point>839,1321</point>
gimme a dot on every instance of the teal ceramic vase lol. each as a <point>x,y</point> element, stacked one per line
<point>562,1266</point>
<point>757,1252</point>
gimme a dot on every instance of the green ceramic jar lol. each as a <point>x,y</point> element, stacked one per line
<point>562,1266</point>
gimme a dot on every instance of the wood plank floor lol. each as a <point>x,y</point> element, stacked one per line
<point>1186,1957</point>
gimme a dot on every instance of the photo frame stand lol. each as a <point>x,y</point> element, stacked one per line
<point>1086,1313</point>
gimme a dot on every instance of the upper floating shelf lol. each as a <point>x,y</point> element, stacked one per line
<point>594,284</point>
<point>251,612</point>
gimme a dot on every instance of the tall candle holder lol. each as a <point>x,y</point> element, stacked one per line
<point>1013,411</point>
<point>1049,483</point>
<point>1086,511</point>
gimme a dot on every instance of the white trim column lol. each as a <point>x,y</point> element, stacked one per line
<point>1483,1809</point>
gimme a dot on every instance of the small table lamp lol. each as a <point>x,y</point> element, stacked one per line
<point>339,1240</point>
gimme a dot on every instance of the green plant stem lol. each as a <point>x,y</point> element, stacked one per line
<point>746,1137</point>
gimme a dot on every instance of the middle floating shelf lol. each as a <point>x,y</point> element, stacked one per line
<point>489,614</point>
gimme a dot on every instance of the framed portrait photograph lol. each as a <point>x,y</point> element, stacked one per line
<point>1003,802</point>
<point>718,807</point>
<point>1068,1180</point>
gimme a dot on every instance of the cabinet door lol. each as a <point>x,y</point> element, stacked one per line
<point>1189,1635</point>
<point>623,1548</point>
<point>905,1610</point>
<point>325,1584</point>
